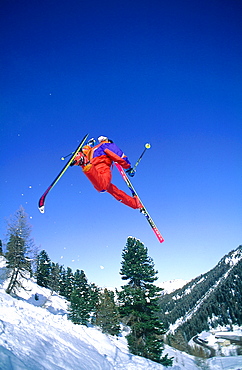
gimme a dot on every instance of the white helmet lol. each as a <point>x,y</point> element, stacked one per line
<point>102,138</point>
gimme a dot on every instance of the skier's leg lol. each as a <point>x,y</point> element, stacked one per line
<point>100,178</point>
<point>122,197</point>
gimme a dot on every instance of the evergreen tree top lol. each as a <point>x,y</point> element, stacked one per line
<point>137,266</point>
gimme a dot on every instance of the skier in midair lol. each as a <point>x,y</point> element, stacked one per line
<point>96,162</point>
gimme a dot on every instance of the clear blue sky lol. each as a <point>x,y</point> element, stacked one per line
<point>164,72</point>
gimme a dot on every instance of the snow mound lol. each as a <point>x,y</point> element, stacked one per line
<point>34,338</point>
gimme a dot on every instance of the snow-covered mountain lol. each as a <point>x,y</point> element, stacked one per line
<point>172,285</point>
<point>208,301</point>
<point>35,334</point>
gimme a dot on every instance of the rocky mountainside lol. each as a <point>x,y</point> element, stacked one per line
<point>210,300</point>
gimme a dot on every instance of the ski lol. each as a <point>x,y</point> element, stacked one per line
<point>42,198</point>
<point>143,210</point>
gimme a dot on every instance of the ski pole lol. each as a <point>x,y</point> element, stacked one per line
<point>147,146</point>
<point>91,142</point>
<point>131,171</point>
<point>68,155</point>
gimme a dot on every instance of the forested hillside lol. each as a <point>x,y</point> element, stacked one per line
<point>212,299</point>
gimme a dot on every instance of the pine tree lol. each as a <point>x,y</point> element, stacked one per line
<point>76,313</point>
<point>43,269</point>
<point>62,288</point>
<point>18,249</point>
<point>80,282</point>
<point>1,248</point>
<point>34,260</point>
<point>79,309</point>
<point>139,301</point>
<point>107,315</point>
<point>69,284</point>
<point>55,277</point>
<point>94,292</point>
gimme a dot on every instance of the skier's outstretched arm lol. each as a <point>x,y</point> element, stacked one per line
<point>123,161</point>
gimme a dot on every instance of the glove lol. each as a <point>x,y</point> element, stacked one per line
<point>91,142</point>
<point>73,163</point>
<point>130,172</point>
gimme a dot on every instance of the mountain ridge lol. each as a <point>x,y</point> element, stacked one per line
<point>211,299</point>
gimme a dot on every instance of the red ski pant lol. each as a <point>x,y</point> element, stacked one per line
<point>100,176</point>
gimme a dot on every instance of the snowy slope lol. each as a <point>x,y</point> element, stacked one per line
<point>35,334</point>
<point>172,285</point>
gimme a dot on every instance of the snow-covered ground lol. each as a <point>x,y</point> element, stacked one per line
<point>35,334</point>
<point>172,285</point>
